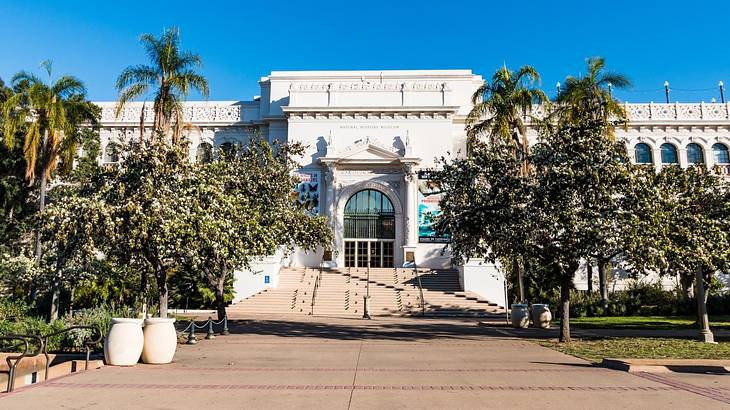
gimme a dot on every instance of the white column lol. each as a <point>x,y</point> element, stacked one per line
<point>409,211</point>
<point>331,207</point>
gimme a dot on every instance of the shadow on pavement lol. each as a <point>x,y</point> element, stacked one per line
<point>423,329</point>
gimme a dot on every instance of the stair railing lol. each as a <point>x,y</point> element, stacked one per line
<point>317,282</point>
<point>13,361</point>
<point>89,343</point>
<point>420,288</point>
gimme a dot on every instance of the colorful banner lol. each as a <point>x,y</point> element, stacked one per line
<point>308,189</point>
<point>429,196</point>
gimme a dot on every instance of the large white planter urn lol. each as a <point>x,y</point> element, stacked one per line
<point>123,345</point>
<point>541,316</point>
<point>520,315</point>
<point>160,340</point>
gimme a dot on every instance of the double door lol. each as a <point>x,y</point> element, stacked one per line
<point>378,253</point>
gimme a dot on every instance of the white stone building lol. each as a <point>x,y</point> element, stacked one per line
<point>371,137</point>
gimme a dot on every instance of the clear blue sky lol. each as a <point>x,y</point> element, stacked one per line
<point>240,41</point>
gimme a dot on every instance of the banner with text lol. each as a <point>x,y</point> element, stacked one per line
<point>429,196</point>
<point>308,189</point>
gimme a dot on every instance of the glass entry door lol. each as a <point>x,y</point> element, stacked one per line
<point>378,253</point>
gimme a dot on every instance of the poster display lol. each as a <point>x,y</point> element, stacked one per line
<point>308,189</point>
<point>429,196</point>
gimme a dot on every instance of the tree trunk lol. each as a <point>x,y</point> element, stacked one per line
<point>219,295</point>
<point>38,239</point>
<point>71,301</point>
<point>589,276</point>
<point>686,282</point>
<point>565,310</point>
<point>56,292</point>
<point>602,285</point>
<point>520,278</point>
<point>164,293</point>
<point>702,319</point>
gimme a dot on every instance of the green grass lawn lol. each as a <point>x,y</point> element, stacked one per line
<point>594,350</point>
<point>647,322</point>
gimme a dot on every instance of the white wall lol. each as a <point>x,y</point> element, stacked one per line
<point>484,278</point>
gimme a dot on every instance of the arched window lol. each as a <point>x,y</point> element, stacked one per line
<point>369,214</point>
<point>204,153</point>
<point>111,153</point>
<point>642,153</point>
<point>695,154</point>
<point>721,154</point>
<point>227,150</point>
<point>669,154</point>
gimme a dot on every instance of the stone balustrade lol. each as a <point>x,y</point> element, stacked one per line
<point>227,112</point>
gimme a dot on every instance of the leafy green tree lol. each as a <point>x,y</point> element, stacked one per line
<point>500,108</point>
<point>589,98</point>
<point>684,231</point>
<point>52,115</point>
<point>244,210</point>
<point>171,76</point>
<point>546,216</point>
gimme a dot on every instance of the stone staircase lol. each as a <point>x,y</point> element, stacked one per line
<point>393,292</point>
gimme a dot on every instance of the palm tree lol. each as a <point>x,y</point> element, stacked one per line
<point>590,96</point>
<point>500,108</point>
<point>52,113</point>
<point>171,74</point>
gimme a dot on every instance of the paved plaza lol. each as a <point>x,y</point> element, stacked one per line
<point>326,363</point>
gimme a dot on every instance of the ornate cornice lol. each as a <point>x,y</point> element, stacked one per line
<point>365,113</point>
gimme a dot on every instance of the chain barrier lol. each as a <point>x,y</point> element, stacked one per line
<point>208,324</point>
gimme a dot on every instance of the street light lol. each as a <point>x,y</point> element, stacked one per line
<point>722,92</point>
<point>666,90</point>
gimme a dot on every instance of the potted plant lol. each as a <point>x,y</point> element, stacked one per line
<point>541,316</point>
<point>160,340</point>
<point>123,345</point>
<point>520,316</point>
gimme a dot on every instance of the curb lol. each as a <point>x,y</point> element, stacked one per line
<point>668,365</point>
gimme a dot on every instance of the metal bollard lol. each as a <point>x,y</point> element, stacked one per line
<point>191,335</point>
<point>225,331</point>
<point>210,335</point>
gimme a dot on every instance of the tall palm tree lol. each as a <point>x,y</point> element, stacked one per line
<point>171,74</point>
<point>52,114</point>
<point>500,108</point>
<point>589,96</point>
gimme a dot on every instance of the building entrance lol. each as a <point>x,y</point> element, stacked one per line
<point>369,230</point>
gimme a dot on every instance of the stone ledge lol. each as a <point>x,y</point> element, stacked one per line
<point>668,365</point>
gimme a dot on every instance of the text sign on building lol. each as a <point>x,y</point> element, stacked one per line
<point>429,196</point>
<point>308,189</point>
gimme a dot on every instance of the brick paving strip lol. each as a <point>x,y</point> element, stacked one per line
<point>715,394</point>
<point>349,387</point>
<point>365,369</point>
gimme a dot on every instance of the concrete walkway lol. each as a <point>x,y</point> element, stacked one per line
<point>329,363</point>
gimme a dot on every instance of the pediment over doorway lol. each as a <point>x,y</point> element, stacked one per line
<point>366,151</point>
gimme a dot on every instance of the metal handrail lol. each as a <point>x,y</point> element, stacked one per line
<point>12,365</point>
<point>317,282</point>
<point>87,344</point>
<point>420,288</point>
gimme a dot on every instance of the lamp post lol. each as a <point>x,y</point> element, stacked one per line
<point>722,92</point>
<point>558,87</point>
<point>666,90</point>
<point>610,90</point>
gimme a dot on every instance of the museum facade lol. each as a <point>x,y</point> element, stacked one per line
<point>372,138</point>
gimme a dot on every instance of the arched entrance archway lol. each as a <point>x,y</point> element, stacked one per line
<point>369,230</point>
